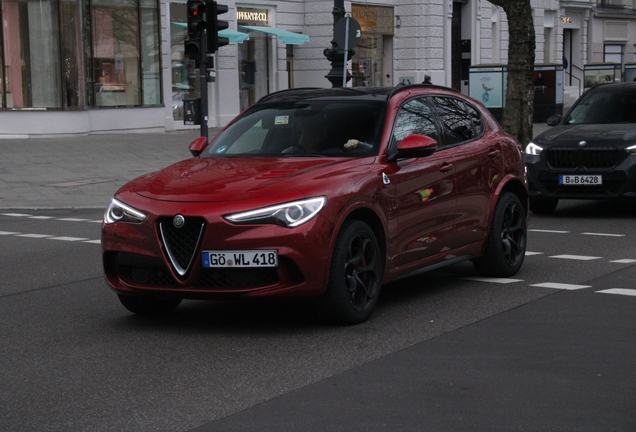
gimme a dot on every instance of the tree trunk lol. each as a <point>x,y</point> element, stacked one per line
<point>519,109</point>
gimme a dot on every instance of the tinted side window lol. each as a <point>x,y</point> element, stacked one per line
<point>476,119</point>
<point>415,117</point>
<point>456,122</point>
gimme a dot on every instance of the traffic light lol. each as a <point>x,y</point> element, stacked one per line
<point>215,25</point>
<point>196,24</point>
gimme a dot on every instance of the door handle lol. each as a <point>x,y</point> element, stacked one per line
<point>446,167</point>
<point>494,153</point>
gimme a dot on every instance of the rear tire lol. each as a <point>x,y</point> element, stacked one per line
<point>543,205</point>
<point>355,278</point>
<point>506,244</point>
<point>148,306</point>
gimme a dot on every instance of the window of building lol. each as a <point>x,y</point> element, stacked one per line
<point>69,54</point>
<point>613,54</point>
<point>31,54</point>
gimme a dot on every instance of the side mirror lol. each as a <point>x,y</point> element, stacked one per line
<point>414,146</point>
<point>554,120</point>
<point>198,145</point>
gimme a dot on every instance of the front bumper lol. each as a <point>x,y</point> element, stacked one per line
<point>136,261</point>
<point>543,181</point>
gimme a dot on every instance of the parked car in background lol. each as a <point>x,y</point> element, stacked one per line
<point>322,195</point>
<point>590,153</point>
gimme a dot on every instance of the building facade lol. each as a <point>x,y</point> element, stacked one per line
<point>75,67</point>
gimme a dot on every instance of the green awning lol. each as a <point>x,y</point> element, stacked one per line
<point>285,36</point>
<point>234,36</point>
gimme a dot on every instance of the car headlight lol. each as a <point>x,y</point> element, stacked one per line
<point>117,211</point>
<point>631,149</point>
<point>533,149</point>
<point>289,215</point>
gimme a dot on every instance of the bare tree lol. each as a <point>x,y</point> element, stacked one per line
<point>519,110</point>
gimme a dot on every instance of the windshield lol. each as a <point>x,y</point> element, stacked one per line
<point>328,128</point>
<point>605,106</point>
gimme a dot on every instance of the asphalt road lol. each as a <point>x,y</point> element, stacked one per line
<point>548,350</point>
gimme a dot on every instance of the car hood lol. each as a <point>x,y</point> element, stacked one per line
<point>593,134</point>
<point>233,179</point>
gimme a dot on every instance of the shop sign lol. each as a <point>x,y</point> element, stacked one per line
<point>374,19</point>
<point>252,17</point>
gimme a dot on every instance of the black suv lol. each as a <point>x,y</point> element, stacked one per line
<point>589,154</point>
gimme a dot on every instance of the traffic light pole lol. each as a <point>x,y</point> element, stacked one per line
<point>203,84</point>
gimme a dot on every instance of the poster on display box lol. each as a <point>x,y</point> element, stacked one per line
<point>487,86</point>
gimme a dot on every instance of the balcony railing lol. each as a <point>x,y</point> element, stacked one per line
<point>616,4</point>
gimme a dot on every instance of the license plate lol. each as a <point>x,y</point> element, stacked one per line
<point>241,258</point>
<point>580,180</point>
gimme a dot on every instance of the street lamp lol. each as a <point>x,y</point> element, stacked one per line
<point>335,54</point>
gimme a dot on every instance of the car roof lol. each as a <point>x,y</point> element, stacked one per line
<point>615,87</point>
<point>348,93</point>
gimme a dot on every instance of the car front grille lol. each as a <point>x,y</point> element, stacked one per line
<point>591,158</point>
<point>181,244</point>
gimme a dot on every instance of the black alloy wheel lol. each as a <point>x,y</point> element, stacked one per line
<point>355,278</point>
<point>506,245</point>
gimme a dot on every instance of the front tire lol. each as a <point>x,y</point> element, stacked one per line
<point>506,244</point>
<point>355,278</point>
<point>148,306</point>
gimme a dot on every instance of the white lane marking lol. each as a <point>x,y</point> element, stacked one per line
<point>528,253</point>
<point>576,257</point>
<point>624,261</point>
<point>49,237</point>
<point>549,231</point>
<point>556,285</point>
<point>68,219</point>
<point>16,214</point>
<point>493,280</point>
<point>619,291</point>
<point>603,234</point>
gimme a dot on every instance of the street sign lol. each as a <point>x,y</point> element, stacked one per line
<point>340,33</point>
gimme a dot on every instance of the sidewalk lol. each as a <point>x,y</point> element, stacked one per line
<point>85,171</point>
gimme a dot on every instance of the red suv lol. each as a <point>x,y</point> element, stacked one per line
<point>322,195</point>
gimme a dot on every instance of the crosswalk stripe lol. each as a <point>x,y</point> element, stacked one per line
<point>603,234</point>
<point>620,291</point>
<point>562,286</point>
<point>575,257</point>
<point>493,280</point>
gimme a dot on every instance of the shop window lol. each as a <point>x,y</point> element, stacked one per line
<point>150,52</point>
<point>71,40</point>
<point>254,69</point>
<point>116,54</point>
<point>31,54</point>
